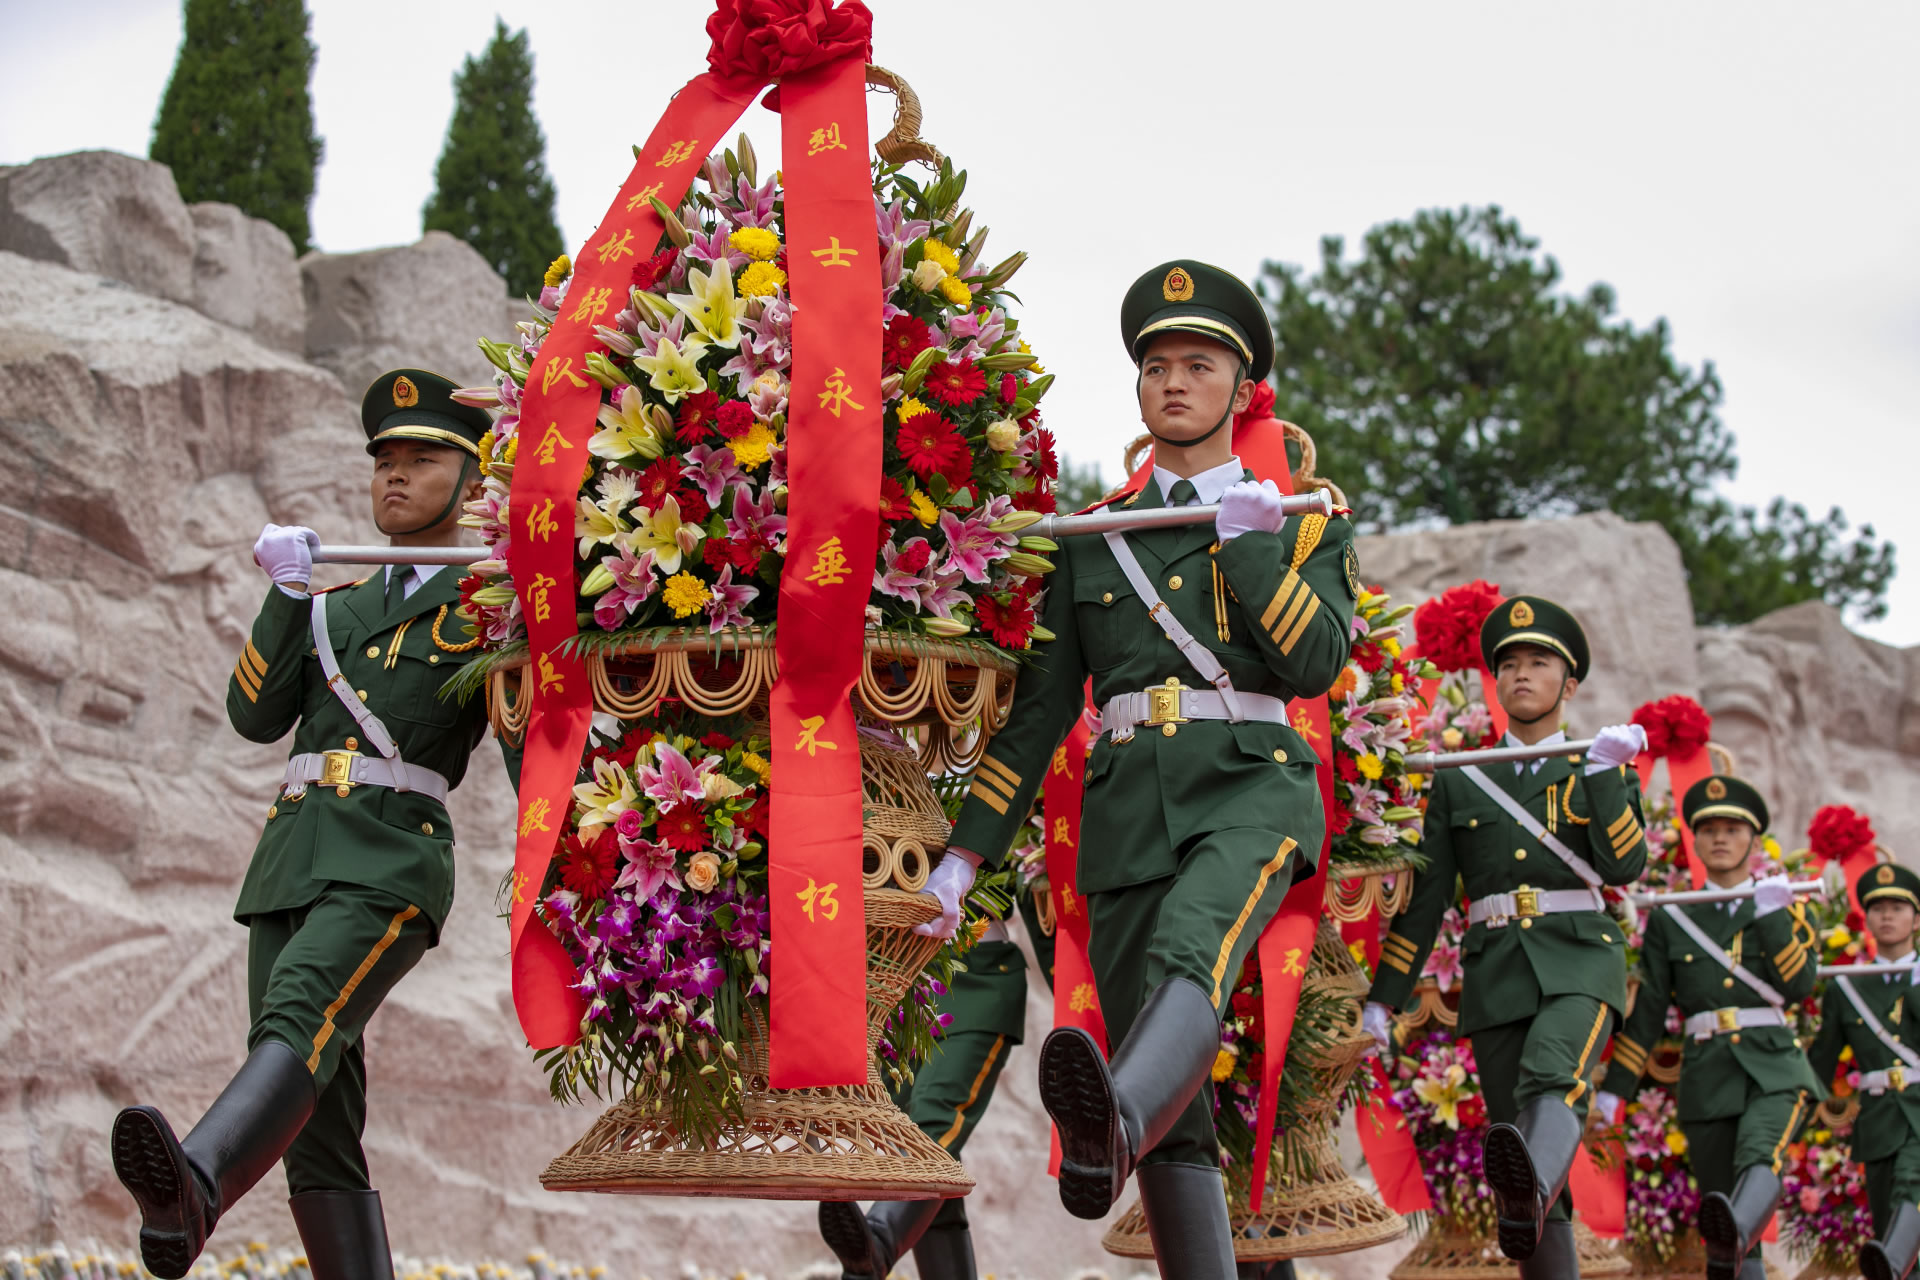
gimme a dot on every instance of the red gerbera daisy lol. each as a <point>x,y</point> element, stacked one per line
<point>958,469</point>
<point>696,414</point>
<point>893,506</point>
<point>745,553</point>
<point>735,419</point>
<point>588,869</point>
<point>756,818</point>
<point>684,827</point>
<point>648,271</point>
<point>1036,500</point>
<point>657,481</point>
<point>905,338</point>
<point>1045,461</point>
<point>928,443</point>
<point>955,382</point>
<point>1009,623</point>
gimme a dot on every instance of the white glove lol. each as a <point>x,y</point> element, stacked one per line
<point>950,881</point>
<point>1608,1105</point>
<point>285,551</point>
<point>1377,1021</point>
<point>1249,506</point>
<point>1771,894</point>
<point>1615,745</point>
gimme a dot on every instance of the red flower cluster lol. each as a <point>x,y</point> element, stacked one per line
<point>1838,832</point>
<point>905,338</point>
<point>893,500</point>
<point>1449,625</point>
<point>589,869</point>
<point>648,271</point>
<point>742,553</point>
<point>1258,409</point>
<point>1676,726</point>
<point>697,413</point>
<point>1009,624</point>
<point>955,382</point>
<point>734,419</point>
<point>928,444</point>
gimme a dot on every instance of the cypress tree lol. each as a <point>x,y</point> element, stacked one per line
<point>236,121</point>
<point>491,186</point>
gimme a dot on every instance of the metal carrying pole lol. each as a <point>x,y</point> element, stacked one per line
<point>1865,970</point>
<point>1428,761</point>
<point>399,555</point>
<point>1831,885</point>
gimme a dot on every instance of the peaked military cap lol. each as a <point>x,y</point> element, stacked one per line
<point>1531,620</point>
<point>1184,296</point>
<point>1723,796</point>
<point>1887,880</point>
<point>412,404</point>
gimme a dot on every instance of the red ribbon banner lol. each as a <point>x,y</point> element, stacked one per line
<point>1076,999</point>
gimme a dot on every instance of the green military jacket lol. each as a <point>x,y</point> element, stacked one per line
<point>1676,971</point>
<point>1286,602</point>
<point>399,842</point>
<point>1891,1120</point>
<point>1469,837</point>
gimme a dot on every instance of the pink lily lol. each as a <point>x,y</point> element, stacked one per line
<point>633,582</point>
<point>712,471</point>
<point>726,608</point>
<point>755,519</point>
<point>672,778</point>
<point>972,546</point>
<point>649,865</point>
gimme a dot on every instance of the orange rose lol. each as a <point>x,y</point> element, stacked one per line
<point>703,871</point>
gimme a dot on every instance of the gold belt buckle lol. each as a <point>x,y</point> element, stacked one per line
<point>336,768</point>
<point>1726,1019</point>
<point>1163,703</point>
<point>1526,902</point>
<point>1897,1077</point>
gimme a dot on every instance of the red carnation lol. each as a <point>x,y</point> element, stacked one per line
<point>955,382</point>
<point>734,420</point>
<point>893,500</point>
<point>1342,818</point>
<point>1839,832</point>
<point>1676,726</point>
<point>657,481</point>
<point>716,742</point>
<point>928,443</point>
<point>717,553</point>
<point>1009,388</point>
<point>1009,624</point>
<point>905,338</point>
<point>1344,765</point>
<point>1449,625</point>
<point>693,505</point>
<point>589,869</point>
<point>684,827</point>
<point>914,558</point>
<point>696,414</point>
<point>650,271</point>
<point>1371,657</point>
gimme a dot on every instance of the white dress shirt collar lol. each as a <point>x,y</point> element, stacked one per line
<point>1558,735</point>
<point>421,572</point>
<point>1908,960</point>
<point>1209,484</point>
<point>1732,905</point>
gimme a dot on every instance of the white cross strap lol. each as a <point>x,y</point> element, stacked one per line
<point>1533,826</point>
<point>1874,1025</point>
<point>369,723</point>
<point>1712,948</point>
<point>1198,654</point>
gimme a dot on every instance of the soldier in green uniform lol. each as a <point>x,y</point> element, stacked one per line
<point>1202,805</point>
<point>1731,968</point>
<point>353,875</point>
<point>1875,1016</point>
<point>1546,968</point>
<point>948,1098</point>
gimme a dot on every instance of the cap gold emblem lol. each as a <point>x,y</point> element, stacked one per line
<point>1178,286</point>
<point>1716,789</point>
<point>405,394</point>
<point>1883,876</point>
<point>1521,615</point>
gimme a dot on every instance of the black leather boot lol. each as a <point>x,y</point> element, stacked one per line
<point>945,1252</point>
<point>1555,1257</point>
<point>1729,1225</point>
<point>344,1233</point>
<point>1280,1270</point>
<point>1891,1256</point>
<point>1526,1166</point>
<point>183,1186</point>
<point>1186,1210</point>
<point>868,1244</point>
<point>1109,1114</point>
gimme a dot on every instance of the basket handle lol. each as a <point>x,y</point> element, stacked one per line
<point>903,142</point>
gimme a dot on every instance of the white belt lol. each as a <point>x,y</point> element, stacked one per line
<point>1705,1026</point>
<point>351,769</point>
<point>1876,1082</point>
<point>1172,704</point>
<point>1498,909</point>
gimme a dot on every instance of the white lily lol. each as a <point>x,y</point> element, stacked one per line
<point>711,304</point>
<point>598,522</point>
<point>626,431</point>
<point>602,800</point>
<point>673,370</point>
<point>664,534</point>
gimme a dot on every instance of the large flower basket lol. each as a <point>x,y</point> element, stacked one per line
<point>1689,1259</point>
<point>1447,1254</point>
<point>1311,1205</point>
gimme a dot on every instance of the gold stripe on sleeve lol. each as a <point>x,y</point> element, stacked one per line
<point>1012,779</point>
<point>1613,828</point>
<point>1280,598</point>
<point>1294,605</point>
<point>992,801</point>
<point>255,663</point>
<point>248,682</point>
<point>1300,627</point>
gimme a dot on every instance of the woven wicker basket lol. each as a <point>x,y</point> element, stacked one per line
<point>1690,1260</point>
<point>1820,1271</point>
<point>1447,1254</point>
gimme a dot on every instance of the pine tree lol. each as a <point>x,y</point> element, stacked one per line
<point>491,185</point>
<point>236,121</point>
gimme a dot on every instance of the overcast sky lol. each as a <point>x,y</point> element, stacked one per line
<point>1747,170</point>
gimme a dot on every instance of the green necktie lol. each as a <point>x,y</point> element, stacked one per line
<point>1183,494</point>
<point>397,585</point>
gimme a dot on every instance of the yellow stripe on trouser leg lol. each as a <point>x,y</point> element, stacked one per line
<point>1240,922</point>
<point>973,1094</point>
<point>325,1033</point>
<point>1580,1082</point>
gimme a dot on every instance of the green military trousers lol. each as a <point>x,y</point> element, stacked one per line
<point>314,977</point>
<point>1890,1182</point>
<point>1196,924</point>
<point>1721,1149</point>
<point>1549,1054</point>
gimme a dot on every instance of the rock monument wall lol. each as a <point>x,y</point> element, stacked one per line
<point>170,378</point>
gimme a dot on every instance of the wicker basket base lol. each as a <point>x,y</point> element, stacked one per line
<point>1819,1271</point>
<point>1449,1255</point>
<point>1690,1261</point>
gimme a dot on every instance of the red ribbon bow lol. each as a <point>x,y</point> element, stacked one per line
<point>772,39</point>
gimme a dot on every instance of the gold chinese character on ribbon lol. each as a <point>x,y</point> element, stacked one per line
<point>810,741</point>
<point>829,564</point>
<point>557,368</point>
<point>534,817</point>
<point>827,139</point>
<point>595,304</point>
<point>550,444</point>
<point>614,248</point>
<point>820,896</point>
<point>1291,964</point>
<point>1059,759</point>
<point>1063,833</point>
<point>1069,905</point>
<point>835,256</point>
<point>1303,724</point>
<point>643,196</point>
<point>549,677</point>
<point>838,393</point>
<point>682,149</point>
<point>540,522</point>
<point>1084,998</point>
<point>520,878</point>
<point>537,594</point>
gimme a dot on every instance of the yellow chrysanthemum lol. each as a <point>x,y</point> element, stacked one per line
<point>685,594</point>
<point>1415,781</point>
<point>1370,765</point>
<point>486,453</point>
<point>923,509</point>
<point>513,451</point>
<point>1223,1065</point>
<point>1772,847</point>
<point>750,450</point>
<point>757,243</point>
<point>1677,1143</point>
<point>956,291</point>
<point>937,251</point>
<point>910,406</point>
<point>761,767</point>
<point>760,279</point>
<point>1399,683</point>
<point>559,269</point>
<point>1392,645</point>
